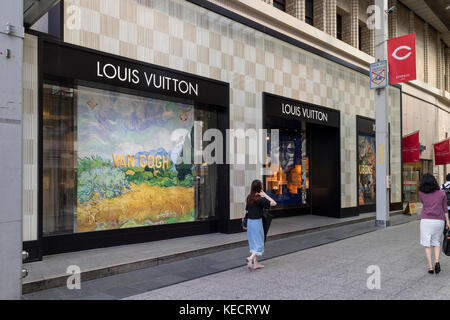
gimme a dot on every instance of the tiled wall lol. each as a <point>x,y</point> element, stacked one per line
<point>183,36</point>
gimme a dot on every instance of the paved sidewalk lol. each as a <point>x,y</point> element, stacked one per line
<point>332,271</point>
<point>98,263</point>
<point>140,281</point>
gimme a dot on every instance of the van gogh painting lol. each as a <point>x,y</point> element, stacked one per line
<point>367,163</point>
<point>127,171</point>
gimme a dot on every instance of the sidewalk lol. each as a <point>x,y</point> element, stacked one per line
<point>334,271</point>
<point>98,263</point>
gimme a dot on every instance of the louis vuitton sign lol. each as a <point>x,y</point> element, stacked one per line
<point>298,110</point>
<point>80,64</point>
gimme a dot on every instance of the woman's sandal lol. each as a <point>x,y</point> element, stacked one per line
<point>437,268</point>
<point>430,271</point>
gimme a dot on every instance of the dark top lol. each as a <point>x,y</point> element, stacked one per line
<point>256,211</point>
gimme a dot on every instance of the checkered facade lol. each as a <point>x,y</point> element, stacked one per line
<point>182,36</point>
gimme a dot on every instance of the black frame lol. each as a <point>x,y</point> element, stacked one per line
<point>335,124</point>
<point>99,239</point>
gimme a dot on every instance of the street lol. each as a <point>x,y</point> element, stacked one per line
<point>333,271</point>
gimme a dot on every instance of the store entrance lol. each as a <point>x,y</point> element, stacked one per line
<point>288,184</point>
<point>305,163</point>
<point>325,184</point>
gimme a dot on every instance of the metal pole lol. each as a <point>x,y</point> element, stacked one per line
<point>382,135</point>
<point>11,57</point>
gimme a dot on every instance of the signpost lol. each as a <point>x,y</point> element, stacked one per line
<point>379,75</point>
<point>382,136</point>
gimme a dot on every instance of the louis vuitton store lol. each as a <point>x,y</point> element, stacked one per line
<point>114,148</point>
<point>101,105</point>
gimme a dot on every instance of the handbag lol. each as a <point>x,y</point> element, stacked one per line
<point>446,242</point>
<point>244,222</point>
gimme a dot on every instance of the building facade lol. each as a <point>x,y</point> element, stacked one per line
<point>104,93</point>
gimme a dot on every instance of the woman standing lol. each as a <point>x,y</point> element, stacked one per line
<point>434,217</point>
<point>257,201</point>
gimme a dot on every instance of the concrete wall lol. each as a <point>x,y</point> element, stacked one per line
<point>11,153</point>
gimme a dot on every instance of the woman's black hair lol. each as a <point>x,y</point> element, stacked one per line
<point>254,196</point>
<point>448,177</point>
<point>428,184</point>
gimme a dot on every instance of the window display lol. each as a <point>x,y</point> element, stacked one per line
<point>289,184</point>
<point>411,179</point>
<point>366,169</point>
<point>110,162</point>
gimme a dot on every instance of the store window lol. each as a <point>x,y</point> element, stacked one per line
<point>411,177</point>
<point>366,161</point>
<point>366,169</point>
<point>289,184</point>
<point>109,161</point>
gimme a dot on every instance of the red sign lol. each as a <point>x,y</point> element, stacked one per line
<point>442,152</point>
<point>402,58</point>
<point>411,147</point>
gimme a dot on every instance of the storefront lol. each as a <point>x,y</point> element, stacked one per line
<point>100,104</point>
<point>307,180</point>
<point>113,133</point>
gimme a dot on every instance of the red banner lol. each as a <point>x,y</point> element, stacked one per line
<point>442,152</point>
<point>402,58</point>
<point>411,148</point>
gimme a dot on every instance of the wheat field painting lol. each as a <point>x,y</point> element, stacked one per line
<point>127,171</point>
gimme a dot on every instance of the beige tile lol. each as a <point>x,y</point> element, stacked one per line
<point>161,23</point>
<point>215,41</point>
<point>144,37</point>
<point>109,26</point>
<point>189,32</point>
<point>128,11</point>
<point>128,50</point>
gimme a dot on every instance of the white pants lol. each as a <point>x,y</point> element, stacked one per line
<point>431,231</point>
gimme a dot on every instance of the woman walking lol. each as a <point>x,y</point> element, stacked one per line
<point>257,201</point>
<point>434,217</point>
